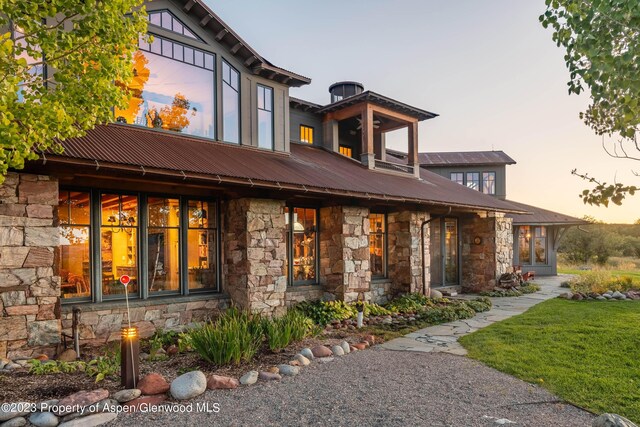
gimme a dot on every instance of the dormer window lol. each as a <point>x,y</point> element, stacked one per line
<point>306,134</point>
<point>168,21</point>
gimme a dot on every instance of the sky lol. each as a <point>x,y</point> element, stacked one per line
<point>488,68</point>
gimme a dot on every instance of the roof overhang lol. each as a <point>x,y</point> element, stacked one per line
<point>380,100</point>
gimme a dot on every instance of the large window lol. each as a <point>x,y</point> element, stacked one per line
<point>173,89</point>
<point>378,244</point>
<point>265,117</point>
<point>166,245</point>
<point>489,182</point>
<point>302,247</point>
<point>473,180</point>
<point>230,104</point>
<point>306,134</point>
<point>457,177</point>
<point>532,245</point>
<point>166,20</point>
<point>73,213</point>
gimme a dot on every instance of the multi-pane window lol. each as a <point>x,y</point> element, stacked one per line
<point>346,151</point>
<point>489,182</point>
<point>540,244</point>
<point>74,231</point>
<point>173,88</point>
<point>163,240</point>
<point>230,104</point>
<point>265,117</point>
<point>473,180</point>
<point>532,245</point>
<point>166,20</point>
<point>457,177</point>
<point>302,247</point>
<point>378,244</point>
<point>119,242</point>
<point>202,245</point>
<point>306,134</point>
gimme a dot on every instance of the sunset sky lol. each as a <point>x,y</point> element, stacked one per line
<point>487,67</point>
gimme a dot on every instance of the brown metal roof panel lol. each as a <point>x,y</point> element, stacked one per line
<point>463,158</point>
<point>542,216</point>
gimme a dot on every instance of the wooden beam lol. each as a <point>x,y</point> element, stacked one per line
<point>412,157</point>
<point>250,60</point>
<point>271,75</point>
<point>286,80</point>
<point>367,130</point>
<point>388,113</point>
<point>236,48</point>
<point>221,34</point>
<point>187,7</point>
<point>204,21</point>
<point>347,112</point>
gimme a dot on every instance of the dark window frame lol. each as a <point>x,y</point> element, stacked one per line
<point>385,247</point>
<point>457,174</point>
<point>224,83</point>
<point>95,256</point>
<point>482,182</point>
<point>174,18</point>
<point>289,237</point>
<point>271,111</point>
<point>532,245</point>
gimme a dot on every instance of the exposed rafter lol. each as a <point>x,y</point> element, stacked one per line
<point>236,48</point>
<point>250,60</point>
<point>221,34</point>
<point>187,7</point>
<point>204,21</point>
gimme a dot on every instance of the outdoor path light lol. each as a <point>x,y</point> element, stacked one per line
<point>129,346</point>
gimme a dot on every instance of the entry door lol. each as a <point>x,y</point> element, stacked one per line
<point>443,246</point>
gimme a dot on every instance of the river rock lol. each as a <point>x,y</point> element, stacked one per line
<point>147,401</point>
<point>249,378</point>
<point>566,295</point>
<point>189,385</point>
<point>127,395</point>
<point>302,360</point>
<point>306,352</point>
<point>345,347</point>
<point>69,355</point>
<point>618,295</point>
<point>325,359</point>
<point>153,383</point>
<point>434,293</point>
<point>81,398</point>
<point>269,376</point>
<point>612,420</point>
<point>221,382</point>
<point>92,420</point>
<point>288,370</point>
<point>607,295</point>
<point>14,422</point>
<point>7,415</point>
<point>44,419</point>
<point>321,351</point>
<point>337,350</point>
<point>361,345</point>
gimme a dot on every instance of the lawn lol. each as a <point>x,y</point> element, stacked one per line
<point>587,353</point>
<point>632,273</point>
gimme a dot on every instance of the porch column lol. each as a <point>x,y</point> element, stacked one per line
<point>330,135</point>
<point>367,156</point>
<point>412,151</point>
<point>406,251</point>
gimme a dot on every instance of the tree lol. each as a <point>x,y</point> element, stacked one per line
<point>58,62</point>
<point>602,41</point>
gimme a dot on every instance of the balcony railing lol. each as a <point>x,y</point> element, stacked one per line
<point>394,167</point>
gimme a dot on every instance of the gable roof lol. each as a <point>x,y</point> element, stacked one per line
<point>465,158</point>
<point>539,216</point>
<point>237,46</point>
<point>306,169</point>
<point>376,98</point>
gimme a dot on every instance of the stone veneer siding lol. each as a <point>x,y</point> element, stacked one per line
<point>483,264</point>
<point>256,251</point>
<point>344,252</point>
<point>405,250</point>
<point>29,287</point>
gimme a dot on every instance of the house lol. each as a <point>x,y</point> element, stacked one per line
<point>536,234</point>
<point>215,187</point>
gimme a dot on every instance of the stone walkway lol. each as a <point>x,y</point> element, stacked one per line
<point>444,338</point>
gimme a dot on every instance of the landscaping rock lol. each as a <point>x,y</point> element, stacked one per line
<point>189,385</point>
<point>601,298</point>
<point>302,360</point>
<point>44,419</point>
<point>306,352</point>
<point>321,351</point>
<point>153,383</point>
<point>69,355</point>
<point>12,366</point>
<point>46,406</point>
<point>612,420</point>
<point>371,339</point>
<point>337,350</point>
<point>127,395</point>
<point>91,420</point>
<point>172,350</point>
<point>14,422</point>
<point>361,345</point>
<point>607,295</point>
<point>566,295</point>
<point>352,348</point>
<point>249,378</point>
<point>618,295</point>
<point>325,359</point>
<point>434,293</point>
<point>273,370</point>
<point>81,398</point>
<point>4,362</point>
<point>288,370</point>
<point>268,376</point>
<point>577,297</point>
<point>147,401</point>
<point>345,347</point>
<point>220,382</point>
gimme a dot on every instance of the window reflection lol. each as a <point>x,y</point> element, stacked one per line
<point>302,226</point>
<point>202,245</point>
<point>489,182</point>
<point>473,180</point>
<point>230,104</point>
<point>170,93</point>
<point>524,244</point>
<point>163,245</point>
<point>73,213</point>
<point>377,244</point>
<point>541,245</point>
<point>265,117</point>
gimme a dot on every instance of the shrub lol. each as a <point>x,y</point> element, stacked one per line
<point>600,281</point>
<point>480,304</point>
<point>323,312</point>
<point>409,303</point>
<point>234,337</point>
<point>529,288</point>
<point>502,293</point>
<point>448,313</point>
<point>293,326</point>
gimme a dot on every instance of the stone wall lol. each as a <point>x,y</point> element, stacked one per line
<point>483,263</point>
<point>405,250</point>
<point>29,287</point>
<point>381,291</point>
<point>101,323</point>
<point>298,294</point>
<point>255,256</point>
<point>344,252</point>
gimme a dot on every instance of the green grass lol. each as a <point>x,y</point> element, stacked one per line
<point>632,273</point>
<point>588,353</point>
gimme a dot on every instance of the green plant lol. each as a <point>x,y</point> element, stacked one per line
<point>409,303</point>
<point>502,293</point>
<point>105,366</point>
<point>529,288</point>
<point>371,309</point>
<point>36,367</point>
<point>480,304</point>
<point>232,338</point>
<point>184,342</point>
<point>280,332</point>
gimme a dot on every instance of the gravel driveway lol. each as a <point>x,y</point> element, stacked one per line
<point>381,388</point>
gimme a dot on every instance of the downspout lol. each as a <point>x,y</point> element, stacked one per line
<point>425,223</point>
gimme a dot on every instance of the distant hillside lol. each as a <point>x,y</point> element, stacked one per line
<point>598,242</point>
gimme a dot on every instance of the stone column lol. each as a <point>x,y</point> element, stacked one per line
<point>344,252</point>
<point>406,250</point>
<point>29,286</point>
<point>484,263</point>
<point>255,255</point>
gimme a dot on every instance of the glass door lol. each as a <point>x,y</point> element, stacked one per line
<point>451,251</point>
<point>444,255</point>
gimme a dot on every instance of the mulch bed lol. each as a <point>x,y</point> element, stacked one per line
<point>20,386</point>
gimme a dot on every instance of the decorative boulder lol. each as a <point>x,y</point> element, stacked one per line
<point>127,395</point>
<point>15,422</point>
<point>288,370</point>
<point>612,420</point>
<point>337,350</point>
<point>566,295</point>
<point>69,355</point>
<point>268,376</point>
<point>618,295</point>
<point>220,382</point>
<point>249,378</point>
<point>153,383</point>
<point>306,352</point>
<point>44,419</point>
<point>92,420</point>
<point>321,351</point>
<point>435,294</point>
<point>81,398</point>
<point>189,385</point>
<point>345,347</point>
<point>302,360</point>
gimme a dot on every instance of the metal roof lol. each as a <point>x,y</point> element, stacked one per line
<point>539,216</point>
<point>382,100</point>
<point>465,158</point>
<point>308,169</point>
